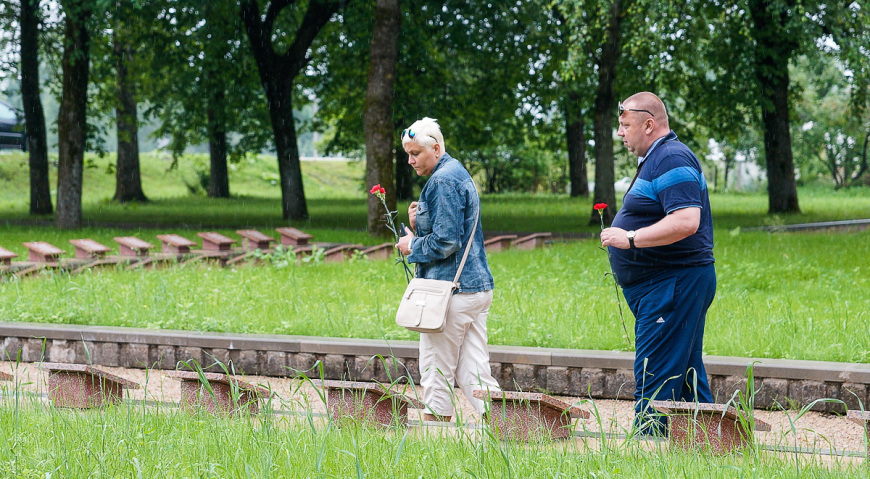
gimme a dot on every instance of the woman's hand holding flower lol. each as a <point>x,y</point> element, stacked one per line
<point>404,244</point>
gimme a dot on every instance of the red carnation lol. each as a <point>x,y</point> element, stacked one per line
<point>380,192</point>
<point>600,206</point>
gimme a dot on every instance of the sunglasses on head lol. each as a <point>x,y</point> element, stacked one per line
<point>623,109</point>
<point>411,133</point>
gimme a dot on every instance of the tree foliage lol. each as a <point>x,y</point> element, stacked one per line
<point>515,85</point>
<point>205,87</point>
<point>471,65</point>
<point>280,39</point>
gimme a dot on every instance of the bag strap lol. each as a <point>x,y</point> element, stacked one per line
<point>468,246</point>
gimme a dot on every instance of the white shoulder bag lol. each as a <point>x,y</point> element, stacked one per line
<point>425,303</point>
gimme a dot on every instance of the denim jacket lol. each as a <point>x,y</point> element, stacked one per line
<point>446,211</point>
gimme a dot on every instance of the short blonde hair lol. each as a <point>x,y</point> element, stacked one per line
<point>425,132</point>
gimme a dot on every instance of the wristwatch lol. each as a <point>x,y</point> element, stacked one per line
<point>630,235</point>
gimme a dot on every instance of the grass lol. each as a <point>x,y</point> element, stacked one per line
<point>780,295</point>
<point>133,439</point>
<point>796,296</point>
<point>335,195</point>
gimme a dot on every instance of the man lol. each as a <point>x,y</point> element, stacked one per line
<point>444,218</point>
<point>661,250</point>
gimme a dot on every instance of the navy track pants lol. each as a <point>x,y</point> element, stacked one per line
<point>670,311</point>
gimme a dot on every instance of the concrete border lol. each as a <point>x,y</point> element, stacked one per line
<point>857,225</point>
<point>568,372</point>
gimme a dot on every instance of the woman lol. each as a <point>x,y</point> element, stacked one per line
<point>443,218</point>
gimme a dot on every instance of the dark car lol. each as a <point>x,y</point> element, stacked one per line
<point>12,128</point>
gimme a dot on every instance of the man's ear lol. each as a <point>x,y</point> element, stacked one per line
<point>650,125</point>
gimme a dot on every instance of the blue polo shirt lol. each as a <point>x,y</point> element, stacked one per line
<point>670,179</point>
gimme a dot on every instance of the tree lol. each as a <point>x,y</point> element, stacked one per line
<point>576,141</point>
<point>379,109</point>
<point>204,87</point>
<point>40,189</point>
<point>466,64</point>
<point>599,29</point>
<point>281,52</point>
<point>72,117</point>
<point>736,56</point>
<point>557,93</point>
<point>827,142</point>
<point>128,179</point>
<point>775,46</point>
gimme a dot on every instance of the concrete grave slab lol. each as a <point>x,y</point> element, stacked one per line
<point>522,416</point>
<point>82,387</point>
<point>718,428</point>
<point>370,402</point>
<point>228,394</point>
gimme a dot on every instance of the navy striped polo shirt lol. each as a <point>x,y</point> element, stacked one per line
<point>670,179</point>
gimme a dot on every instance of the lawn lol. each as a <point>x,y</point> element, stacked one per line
<point>780,295</point>
<point>132,440</point>
<point>336,194</point>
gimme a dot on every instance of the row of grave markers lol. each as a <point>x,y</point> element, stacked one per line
<point>516,416</point>
<point>136,253</point>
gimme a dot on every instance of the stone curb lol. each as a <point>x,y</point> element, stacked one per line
<point>824,225</point>
<point>568,372</point>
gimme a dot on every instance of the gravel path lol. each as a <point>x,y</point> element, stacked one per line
<point>821,432</point>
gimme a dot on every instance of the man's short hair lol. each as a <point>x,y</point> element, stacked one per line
<point>425,132</point>
<point>650,102</point>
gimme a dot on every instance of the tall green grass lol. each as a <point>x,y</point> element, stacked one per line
<point>134,440</point>
<point>796,296</point>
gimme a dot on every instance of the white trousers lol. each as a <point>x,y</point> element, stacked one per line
<point>458,355</point>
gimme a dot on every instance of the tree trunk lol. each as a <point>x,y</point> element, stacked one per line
<point>278,72</point>
<point>404,175</point>
<point>729,163</point>
<point>774,46</point>
<point>293,205</point>
<point>128,178</point>
<point>378,116</point>
<point>218,179</point>
<point>72,117</point>
<point>781,185</point>
<point>34,116</point>
<point>605,105</point>
<point>576,148</point>
<point>863,168</point>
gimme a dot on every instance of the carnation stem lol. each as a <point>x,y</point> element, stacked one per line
<point>615,286</point>
<point>392,227</point>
